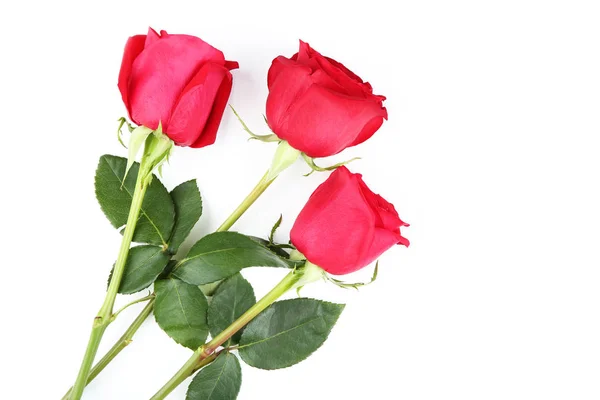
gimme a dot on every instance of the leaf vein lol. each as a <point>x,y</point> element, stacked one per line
<point>142,210</point>
<point>182,308</point>
<point>280,333</point>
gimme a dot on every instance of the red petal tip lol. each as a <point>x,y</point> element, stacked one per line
<point>231,65</point>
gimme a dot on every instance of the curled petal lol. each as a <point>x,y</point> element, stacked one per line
<point>204,95</point>
<point>382,241</point>
<point>370,128</point>
<point>133,48</point>
<point>209,134</point>
<point>304,53</point>
<point>288,84</point>
<point>152,37</point>
<point>231,65</point>
<point>347,71</point>
<point>346,81</point>
<point>322,123</point>
<point>279,64</point>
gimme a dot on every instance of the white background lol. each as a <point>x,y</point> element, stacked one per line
<point>490,152</point>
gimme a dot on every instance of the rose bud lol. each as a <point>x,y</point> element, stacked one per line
<point>319,106</point>
<point>177,81</point>
<point>344,226</point>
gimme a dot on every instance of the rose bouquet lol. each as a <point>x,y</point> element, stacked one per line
<point>175,89</point>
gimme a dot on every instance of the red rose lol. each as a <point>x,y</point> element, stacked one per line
<point>319,106</point>
<point>177,80</point>
<point>344,226</point>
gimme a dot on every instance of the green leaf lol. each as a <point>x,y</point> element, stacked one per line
<point>287,332</point>
<point>233,298</point>
<point>222,254</point>
<point>144,264</point>
<point>180,310</point>
<point>158,212</point>
<point>188,209</point>
<point>220,380</point>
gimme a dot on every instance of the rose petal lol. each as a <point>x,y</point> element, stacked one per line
<point>370,128</point>
<point>152,37</point>
<point>161,72</point>
<point>209,134</point>
<point>231,65</point>
<point>304,53</point>
<point>387,216</point>
<point>335,228</point>
<point>346,70</point>
<point>288,82</point>
<point>133,48</point>
<point>348,81</point>
<point>383,240</point>
<point>277,65</point>
<point>193,108</point>
<point>322,123</point>
<point>351,86</point>
<point>404,241</point>
<point>321,78</point>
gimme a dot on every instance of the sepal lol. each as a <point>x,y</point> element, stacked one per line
<point>157,147</point>
<point>122,121</point>
<point>310,273</point>
<point>311,163</point>
<point>274,229</point>
<point>136,140</point>
<point>263,138</point>
<point>157,150</point>
<point>346,285</point>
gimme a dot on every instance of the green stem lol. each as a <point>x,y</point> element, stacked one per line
<point>136,301</point>
<point>120,345</point>
<point>103,318</point>
<point>206,351</point>
<point>192,365</point>
<point>116,349</point>
<point>262,185</point>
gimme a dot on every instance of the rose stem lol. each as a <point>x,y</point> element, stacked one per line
<point>117,347</point>
<point>262,185</point>
<point>205,351</point>
<point>120,345</point>
<point>103,318</point>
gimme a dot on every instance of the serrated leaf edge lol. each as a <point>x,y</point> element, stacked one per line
<point>122,181</point>
<point>341,306</point>
<point>163,329</point>
<point>175,220</point>
<point>144,263</point>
